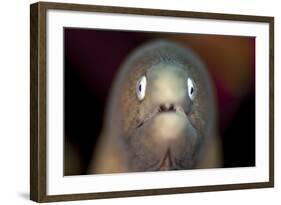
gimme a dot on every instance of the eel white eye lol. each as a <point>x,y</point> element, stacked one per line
<point>191,89</point>
<point>140,88</point>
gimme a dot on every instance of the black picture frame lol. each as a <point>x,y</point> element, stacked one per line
<point>38,100</point>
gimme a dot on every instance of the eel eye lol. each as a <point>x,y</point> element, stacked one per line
<point>140,88</point>
<point>191,88</point>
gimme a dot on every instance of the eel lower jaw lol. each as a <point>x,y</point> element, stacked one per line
<point>166,163</point>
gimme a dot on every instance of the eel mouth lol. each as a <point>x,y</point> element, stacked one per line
<point>170,160</point>
<point>163,108</point>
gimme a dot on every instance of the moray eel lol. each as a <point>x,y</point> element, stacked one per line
<point>161,114</point>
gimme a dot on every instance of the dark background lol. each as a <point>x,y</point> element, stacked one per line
<point>92,58</point>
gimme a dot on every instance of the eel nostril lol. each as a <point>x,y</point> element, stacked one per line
<point>171,108</point>
<point>162,108</point>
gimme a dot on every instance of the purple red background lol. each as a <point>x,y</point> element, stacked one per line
<point>92,58</point>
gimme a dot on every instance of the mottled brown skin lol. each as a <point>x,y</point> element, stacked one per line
<point>167,130</point>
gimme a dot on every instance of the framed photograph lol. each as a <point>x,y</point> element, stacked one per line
<point>134,102</point>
